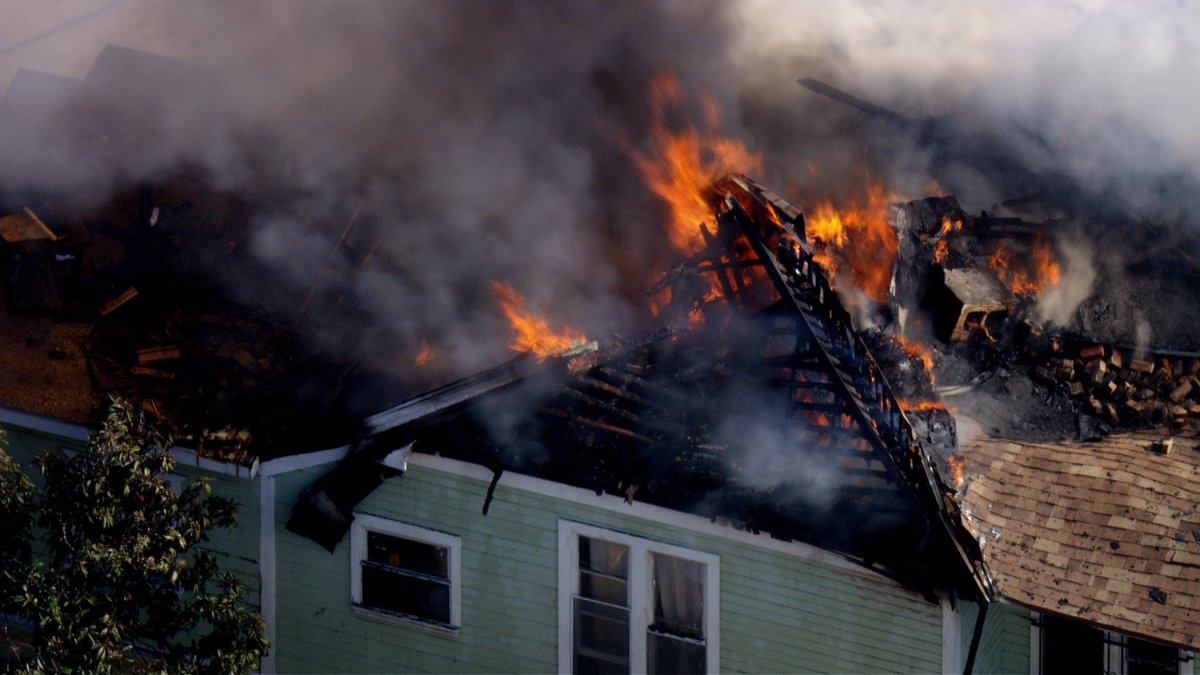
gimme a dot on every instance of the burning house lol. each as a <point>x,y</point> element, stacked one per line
<point>850,437</point>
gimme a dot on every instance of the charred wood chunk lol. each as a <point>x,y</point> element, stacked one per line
<point>157,354</point>
<point>118,301</point>
<point>1116,360</point>
<point>1179,414</point>
<point>152,373</point>
<point>1111,411</point>
<point>1141,366</point>
<point>1179,393</point>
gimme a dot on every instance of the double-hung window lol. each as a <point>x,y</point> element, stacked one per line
<point>628,604</point>
<point>404,572</point>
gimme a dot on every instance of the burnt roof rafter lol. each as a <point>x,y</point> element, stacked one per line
<point>838,350</point>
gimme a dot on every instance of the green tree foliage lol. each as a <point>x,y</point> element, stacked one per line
<point>16,518</point>
<point>125,586</point>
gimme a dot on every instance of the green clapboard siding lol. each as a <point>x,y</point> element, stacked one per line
<point>779,612</point>
<point>1004,645</point>
<point>235,548</point>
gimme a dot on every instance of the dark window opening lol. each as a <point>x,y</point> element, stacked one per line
<point>1071,648</point>
<point>406,577</point>
<point>1147,658</point>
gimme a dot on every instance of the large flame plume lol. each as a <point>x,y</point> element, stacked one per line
<point>858,231</point>
<point>531,333</point>
<point>680,167</point>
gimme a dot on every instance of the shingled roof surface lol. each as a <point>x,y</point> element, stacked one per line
<point>1105,532</point>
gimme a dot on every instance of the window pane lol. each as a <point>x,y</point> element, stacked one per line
<point>604,557</point>
<point>601,637</point>
<point>678,596</point>
<point>604,588</point>
<point>1070,647</point>
<point>414,596</point>
<point>408,554</point>
<point>670,654</point>
<point>1148,658</point>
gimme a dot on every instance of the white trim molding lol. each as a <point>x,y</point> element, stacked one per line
<point>43,424</point>
<point>951,633</point>
<point>267,471</point>
<point>640,591</point>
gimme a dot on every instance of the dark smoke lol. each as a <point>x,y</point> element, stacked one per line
<point>481,140</point>
<point>484,140</point>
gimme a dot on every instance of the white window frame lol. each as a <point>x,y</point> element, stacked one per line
<point>1114,650</point>
<point>641,606</point>
<point>364,523</point>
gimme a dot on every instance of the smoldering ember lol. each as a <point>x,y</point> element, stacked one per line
<point>632,337</point>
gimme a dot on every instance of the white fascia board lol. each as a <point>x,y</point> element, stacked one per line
<point>78,432</point>
<point>45,425</point>
<point>951,656</point>
<point>308,460</point>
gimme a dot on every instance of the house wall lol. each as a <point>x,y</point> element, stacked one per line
<point>1004,645</point>
<point>235,548</point>
<point>783,607</point>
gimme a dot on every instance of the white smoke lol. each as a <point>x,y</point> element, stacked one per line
<point>1098,90</point>
<point>1057,304</point>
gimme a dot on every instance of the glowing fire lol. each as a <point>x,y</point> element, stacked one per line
<point>532,333</point>
<point>916,351</point>
<point>1030,275</point>
<point>922,406</point>
<point>424,355</point>
<point>860,233</point>
<point>949,225</point>
<point>682,166</point>
<point>958,467</point>
<point>941,251</point>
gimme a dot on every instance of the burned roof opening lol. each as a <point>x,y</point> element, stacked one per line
<point>758,402</point>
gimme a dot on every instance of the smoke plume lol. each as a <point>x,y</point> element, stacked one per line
<point>425,149</point>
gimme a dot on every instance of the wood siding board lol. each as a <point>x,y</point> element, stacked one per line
<point>779,612</point>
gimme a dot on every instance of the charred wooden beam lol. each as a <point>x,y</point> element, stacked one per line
<point>881,421</point>
<point>573,418</point>
<point>855,102</point>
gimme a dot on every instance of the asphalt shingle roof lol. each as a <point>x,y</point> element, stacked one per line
<point>1105,532</point>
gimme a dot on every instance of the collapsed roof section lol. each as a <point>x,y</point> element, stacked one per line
<point>758,403</point>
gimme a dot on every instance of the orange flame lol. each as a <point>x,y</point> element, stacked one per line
<point>922,406</point>
<point>424,355</point>
<point>532,333</point>
<point>682,166</point>
<point>1028,276</point>
<point>958,467</point>
<point>949,225</point>
<point>941,251</point>
<point>860,233</point>
<point>917,351</point>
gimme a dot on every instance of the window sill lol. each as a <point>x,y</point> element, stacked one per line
<point>439,629</point>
